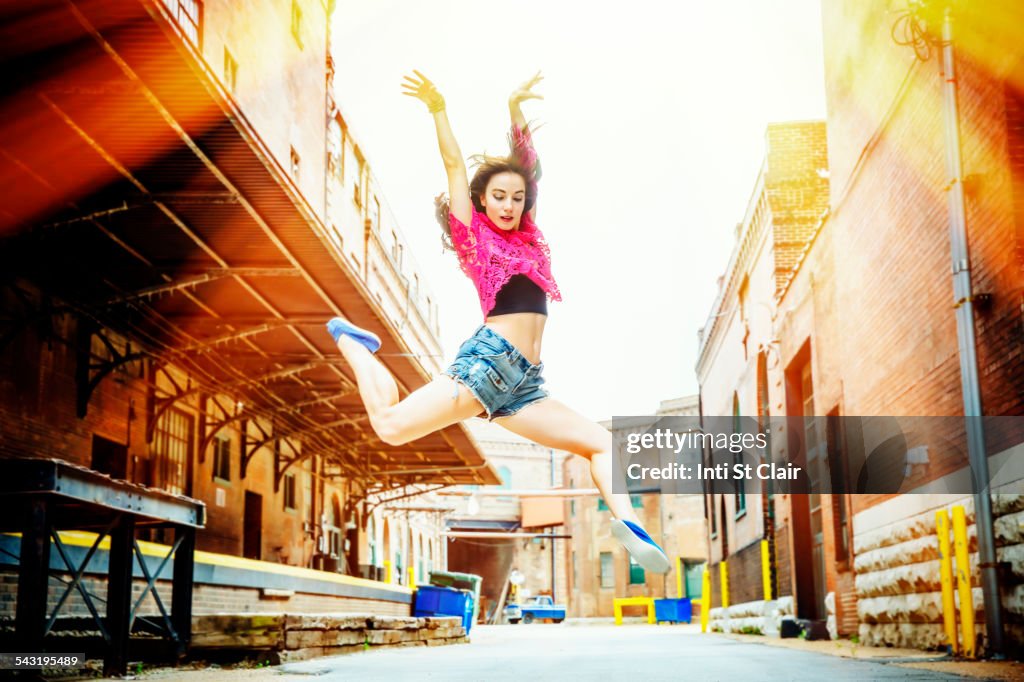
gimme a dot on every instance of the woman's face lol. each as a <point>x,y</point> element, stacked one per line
<point>504,199</point>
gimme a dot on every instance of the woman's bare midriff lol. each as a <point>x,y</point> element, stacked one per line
<point>523,330</point>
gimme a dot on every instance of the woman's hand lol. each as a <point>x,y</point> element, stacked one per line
<point>525,91</point>
<point>422,89</point>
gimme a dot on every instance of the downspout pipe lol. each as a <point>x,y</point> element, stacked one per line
<point>968,344</point>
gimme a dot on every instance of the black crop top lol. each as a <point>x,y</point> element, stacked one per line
<point>519,295</point>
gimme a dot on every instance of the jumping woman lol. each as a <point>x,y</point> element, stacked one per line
<point>489,223</point>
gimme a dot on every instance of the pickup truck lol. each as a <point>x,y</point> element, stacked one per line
<point>535,608</point>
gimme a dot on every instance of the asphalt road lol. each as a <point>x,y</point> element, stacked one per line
<point>605,652</point>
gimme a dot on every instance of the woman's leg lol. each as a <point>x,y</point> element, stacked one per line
<point>425,410</point>
<point>555,425</point>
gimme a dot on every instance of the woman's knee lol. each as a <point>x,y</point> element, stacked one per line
<point>592,441</point>
<point>391,428</point>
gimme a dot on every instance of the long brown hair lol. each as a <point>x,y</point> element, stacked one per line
<point>522,160</point>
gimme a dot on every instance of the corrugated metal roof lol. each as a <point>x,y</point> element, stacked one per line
<point>122,115</point>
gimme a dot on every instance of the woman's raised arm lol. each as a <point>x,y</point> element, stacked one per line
<point>519,95</point>
<point>422,89</point>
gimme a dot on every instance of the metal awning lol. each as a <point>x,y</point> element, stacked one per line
<point>139,199</point>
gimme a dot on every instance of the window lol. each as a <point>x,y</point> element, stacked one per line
<point>420,575</point>
<point>222,459</point>
<point>337,237</point>
<point>572,507</point>
<point>637,502</point>
<point>297,23</point>
<point>295,161</point>
<point>505,474</point>
<point>837,467</point>
<point>353,173</point>
<point>575,572</point>
<point>744,288</point>
<point>737,458</point>
<point>289,492</point>
<point>172,449</point>
<point>712,516</point>
<point>607,570</point>
<point>230,71</point>
<point>189,15</point>
<point>636,572</point>
<point>332,530</point>
<point>371,540</point>
<point>336,151</point>
<point>308,493</point>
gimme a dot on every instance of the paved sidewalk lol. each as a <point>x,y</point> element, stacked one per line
<point>904,658</point>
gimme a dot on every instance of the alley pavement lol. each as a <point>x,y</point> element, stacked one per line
<point>561,652</point>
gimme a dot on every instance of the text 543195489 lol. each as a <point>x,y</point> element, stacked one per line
<point>31,661</point>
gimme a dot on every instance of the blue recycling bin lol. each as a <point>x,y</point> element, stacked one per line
<point>673,610</point>
<point>432,601</point>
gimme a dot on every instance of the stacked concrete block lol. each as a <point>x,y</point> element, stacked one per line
<point>899,594</point>
<point>760,616</point>
<point>295,637</point>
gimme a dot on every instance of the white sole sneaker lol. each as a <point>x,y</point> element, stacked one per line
<point>646,554</point>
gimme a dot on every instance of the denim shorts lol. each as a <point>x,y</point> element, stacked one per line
<point>497,374</point>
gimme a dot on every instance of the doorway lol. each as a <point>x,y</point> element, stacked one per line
<point>806,498</point>
<point>252,532</point>
<point>109,457</point>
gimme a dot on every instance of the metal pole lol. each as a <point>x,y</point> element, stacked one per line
<point>968,351</point>
<point>552,452</point>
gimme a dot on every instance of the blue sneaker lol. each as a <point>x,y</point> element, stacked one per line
<point>645,550</point>
<point>337,326</point>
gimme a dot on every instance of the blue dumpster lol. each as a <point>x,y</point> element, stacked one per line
<point>673,610</point>
<point>432,601</point>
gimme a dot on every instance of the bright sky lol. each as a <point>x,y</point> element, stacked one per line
<point>653,133</point>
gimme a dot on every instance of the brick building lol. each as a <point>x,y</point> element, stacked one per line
<point>187,207</point>
<point>863,321</point>
<point>890,347</point>
<point>738,364</point>
<point>600,569</point>
<point>522,466</point>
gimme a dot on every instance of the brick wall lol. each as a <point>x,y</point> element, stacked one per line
<point>38,418</point>
<point>206,599</point>
<point>797,188</point>
<point>783,567</point>
<point>745,580</point>
<point>894,287</point>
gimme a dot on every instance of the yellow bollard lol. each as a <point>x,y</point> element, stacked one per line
<point>766,571</point>
<point>723,572</point>
<point>705,599</point>
<point>679,577</point>
<point>963,580</point>
<point>946,577</point>
<point>387,571</point>
<point>412,576</point>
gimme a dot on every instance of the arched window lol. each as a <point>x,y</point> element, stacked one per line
<point>421,576</point>
<point>506,477</point>
<point>333,527</point>
<point>737,427</point>
<point>429,559</point>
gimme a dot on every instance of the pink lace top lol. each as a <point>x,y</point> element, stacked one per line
<point>490,256</point>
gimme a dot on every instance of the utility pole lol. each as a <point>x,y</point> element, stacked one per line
<point>551,451</point>
<point>965,335</point>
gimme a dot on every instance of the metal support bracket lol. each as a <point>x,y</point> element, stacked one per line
<point>89,373</point>
<point>151,588</point>
<point>76,581</point>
